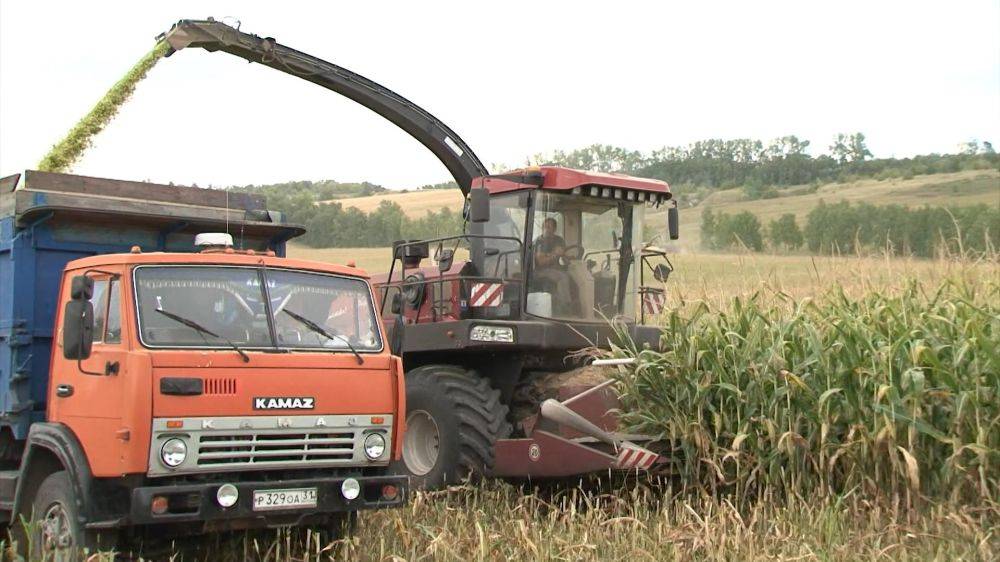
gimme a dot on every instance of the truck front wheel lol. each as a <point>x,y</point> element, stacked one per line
<point>56,530</point>
<point>453,419</point>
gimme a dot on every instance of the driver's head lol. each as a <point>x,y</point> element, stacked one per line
<point>549,226</point>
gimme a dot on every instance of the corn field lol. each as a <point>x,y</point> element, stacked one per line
<point>894,392</point>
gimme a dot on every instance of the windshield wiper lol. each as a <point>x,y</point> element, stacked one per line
<point>321,331</point>
<point>199,328</point>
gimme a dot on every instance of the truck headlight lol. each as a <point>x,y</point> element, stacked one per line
<point>501,334</point>
<point>226,495</point>
<point>173,452</point>
<point>374,446</point>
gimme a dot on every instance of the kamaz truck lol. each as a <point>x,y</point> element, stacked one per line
<point>166,371</point>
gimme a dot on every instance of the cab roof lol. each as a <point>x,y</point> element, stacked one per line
<point>215,258</point>
<point>559,178</point>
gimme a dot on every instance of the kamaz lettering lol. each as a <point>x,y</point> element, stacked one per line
<point>276,403</point>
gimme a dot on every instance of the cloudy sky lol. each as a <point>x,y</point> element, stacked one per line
<point>512,78</point>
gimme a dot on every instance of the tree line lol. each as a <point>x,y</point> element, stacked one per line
<point>843,228</point>
<point>760,166</point>
<point>333,225</point>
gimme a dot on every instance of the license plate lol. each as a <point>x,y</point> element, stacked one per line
<point>264,500</point>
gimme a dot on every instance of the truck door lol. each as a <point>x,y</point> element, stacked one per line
<point>89,397</point>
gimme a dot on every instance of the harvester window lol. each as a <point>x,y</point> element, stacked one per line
<point>578,246</point>
<point>508,214</point>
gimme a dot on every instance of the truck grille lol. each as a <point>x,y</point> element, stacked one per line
<point>257,449</point>
<point>226,444</point>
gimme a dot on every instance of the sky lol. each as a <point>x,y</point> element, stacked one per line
<point>512,78</point>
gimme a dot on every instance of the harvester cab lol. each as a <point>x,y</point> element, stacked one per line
<point>552,261</point>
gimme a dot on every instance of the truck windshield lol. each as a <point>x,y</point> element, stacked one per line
<point>231,302</point>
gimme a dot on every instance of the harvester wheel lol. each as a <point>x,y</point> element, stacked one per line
<point>453,418</point>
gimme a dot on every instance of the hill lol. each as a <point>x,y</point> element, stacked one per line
<point>414,203</point>
<point>937,190</point>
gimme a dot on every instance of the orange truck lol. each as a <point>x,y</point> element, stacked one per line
<point>161,381</point>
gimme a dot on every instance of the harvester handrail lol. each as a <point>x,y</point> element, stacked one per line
<point>397,255</point>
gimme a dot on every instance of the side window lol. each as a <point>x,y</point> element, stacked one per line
<point>100,302</point>
<point>114,322</point>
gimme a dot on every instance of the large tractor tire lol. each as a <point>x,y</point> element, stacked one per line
<point>453,419</point>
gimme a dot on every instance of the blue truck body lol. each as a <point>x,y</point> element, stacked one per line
<point>48,220</point>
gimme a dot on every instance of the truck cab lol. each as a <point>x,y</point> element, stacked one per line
<point>183,392</point>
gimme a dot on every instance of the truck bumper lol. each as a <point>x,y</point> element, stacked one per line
<point>197,502</point>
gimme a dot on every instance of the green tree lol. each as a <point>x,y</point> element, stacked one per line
<point>721,231</point>
<point>858,150</point>
<point>744,229</point>
<point>784,232</point>
<point>708,229</point>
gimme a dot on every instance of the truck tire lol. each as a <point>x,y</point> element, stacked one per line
<point>56,532</point>
<point>453,419</point>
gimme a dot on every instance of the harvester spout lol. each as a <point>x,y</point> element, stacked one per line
<point>430,131</point>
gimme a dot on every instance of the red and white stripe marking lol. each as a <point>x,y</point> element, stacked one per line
<point>653,302</point>
<point>634,457</point>
<point>486,294</point>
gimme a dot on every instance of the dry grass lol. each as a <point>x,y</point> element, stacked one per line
<point>720,276</point>
<point>636,522</point>
<point>373,260</point>
<point>414,203</point>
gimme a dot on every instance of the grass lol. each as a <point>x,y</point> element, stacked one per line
<point>69,150</point>
<point>414,203</point>
<point>636,521</point>
<point>718,276</point>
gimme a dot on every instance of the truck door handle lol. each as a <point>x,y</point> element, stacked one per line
<point>64,390</point>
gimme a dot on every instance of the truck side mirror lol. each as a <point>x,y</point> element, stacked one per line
<point>479,204</point>
<point>78,319</point>
<point>673,222</point>
<point>81,288</point>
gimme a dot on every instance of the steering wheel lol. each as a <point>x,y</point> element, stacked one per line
<point>579,252</point>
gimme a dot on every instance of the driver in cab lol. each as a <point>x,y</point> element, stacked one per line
<point>549,248</point>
